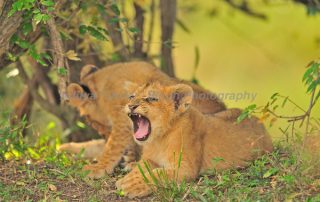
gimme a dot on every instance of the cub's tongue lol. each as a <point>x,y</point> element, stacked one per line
<point>143,128</point>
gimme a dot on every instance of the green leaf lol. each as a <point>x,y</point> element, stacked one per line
<point>246,112</point>
<point>62,71</point>
<point>47,3</point>
<point>103,30</point>
<point>83,29</point>
<point>83,5</point>
<point>251,107</point>
<point>313,68</point>
<point>134,30</point>
<point>45,18</point>
<point>35,11</point>
<point>114,20</point>
<point>14,39</point>
<point>38,18</point>
<point>23,44</point>
<point>81,125</point>
<point>33,153</point>
<point>274,95</point>
<point>275,107</point>
<point>11,57</point>
<point>115,57</point>
<point>195,80</point>
<point>46,56</point>
<point>270,172</point>
<point>101,9</point>
<point>312,10</point>
<point>242,116</point>
<point>312,86</point>
<point>37,57</point>
<point>95,33</point>
<point>307,72</point>
<point>124,20</point>
<point>115,9</point>
<point>284,102</point>
<point>183,26</point>
<point>197,57</point>
<point>26,28</point>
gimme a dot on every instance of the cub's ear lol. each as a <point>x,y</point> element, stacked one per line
<point>76,94</point>
<point>87,70</point>
<point>182,95</point>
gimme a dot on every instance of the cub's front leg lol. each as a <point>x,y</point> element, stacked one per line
<point>119,140</point>
<point>92,149</point>
<point>133,184</point>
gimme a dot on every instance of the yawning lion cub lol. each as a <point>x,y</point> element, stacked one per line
<point>101,98</point>
<point>166,125</point>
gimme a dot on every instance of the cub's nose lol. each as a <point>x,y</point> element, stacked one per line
<point>132,107</point>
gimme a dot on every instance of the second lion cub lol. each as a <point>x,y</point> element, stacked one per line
<point>166,124</point>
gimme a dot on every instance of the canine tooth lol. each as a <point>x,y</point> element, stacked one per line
<point>139,116</point>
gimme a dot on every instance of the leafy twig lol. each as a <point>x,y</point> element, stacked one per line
<point>59,60</point>
<point>138,37</point>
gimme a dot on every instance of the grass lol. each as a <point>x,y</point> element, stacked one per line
<point>273,177</point>
<point>277,176</point>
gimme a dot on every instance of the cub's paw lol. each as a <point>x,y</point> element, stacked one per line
<point>127,167</point>
<point>69,147</point>
<point>134,187</point>
<point>96,171</point>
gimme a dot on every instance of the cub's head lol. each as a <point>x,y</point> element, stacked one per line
<point>153,108</point>
<point>82,98</point>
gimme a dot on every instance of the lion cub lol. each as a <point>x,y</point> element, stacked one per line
<point>101,98</point>
<point>165,124</point>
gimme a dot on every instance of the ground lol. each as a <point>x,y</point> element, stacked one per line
<point>58,177</point>
<point>47,182</point>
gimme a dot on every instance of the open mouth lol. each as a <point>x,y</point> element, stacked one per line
<point>141,126</point>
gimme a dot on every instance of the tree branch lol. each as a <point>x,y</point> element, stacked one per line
<point>138,38</point>
<point>59,58</point>
<point>17,50</point>
<point>168,17</point>
<point>244,7</point>
<point>8,25</point>
<point>151,26</point>
<point>53,109</point>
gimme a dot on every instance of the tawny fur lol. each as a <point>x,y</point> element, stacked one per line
<point>91,149</point>
<point>110,88</point>
<point>176,127</point>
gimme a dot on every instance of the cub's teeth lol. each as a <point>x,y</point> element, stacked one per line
<point>139,116</point>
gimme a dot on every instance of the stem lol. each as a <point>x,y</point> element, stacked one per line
<point>309,111</point>
<point>58,58</point>
<point>151,26</point>
<point>168,18</point>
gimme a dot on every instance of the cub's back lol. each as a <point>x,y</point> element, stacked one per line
<point>235,143</point>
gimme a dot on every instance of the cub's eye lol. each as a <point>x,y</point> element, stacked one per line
<point>151,99</point>
<point>131,97</point>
